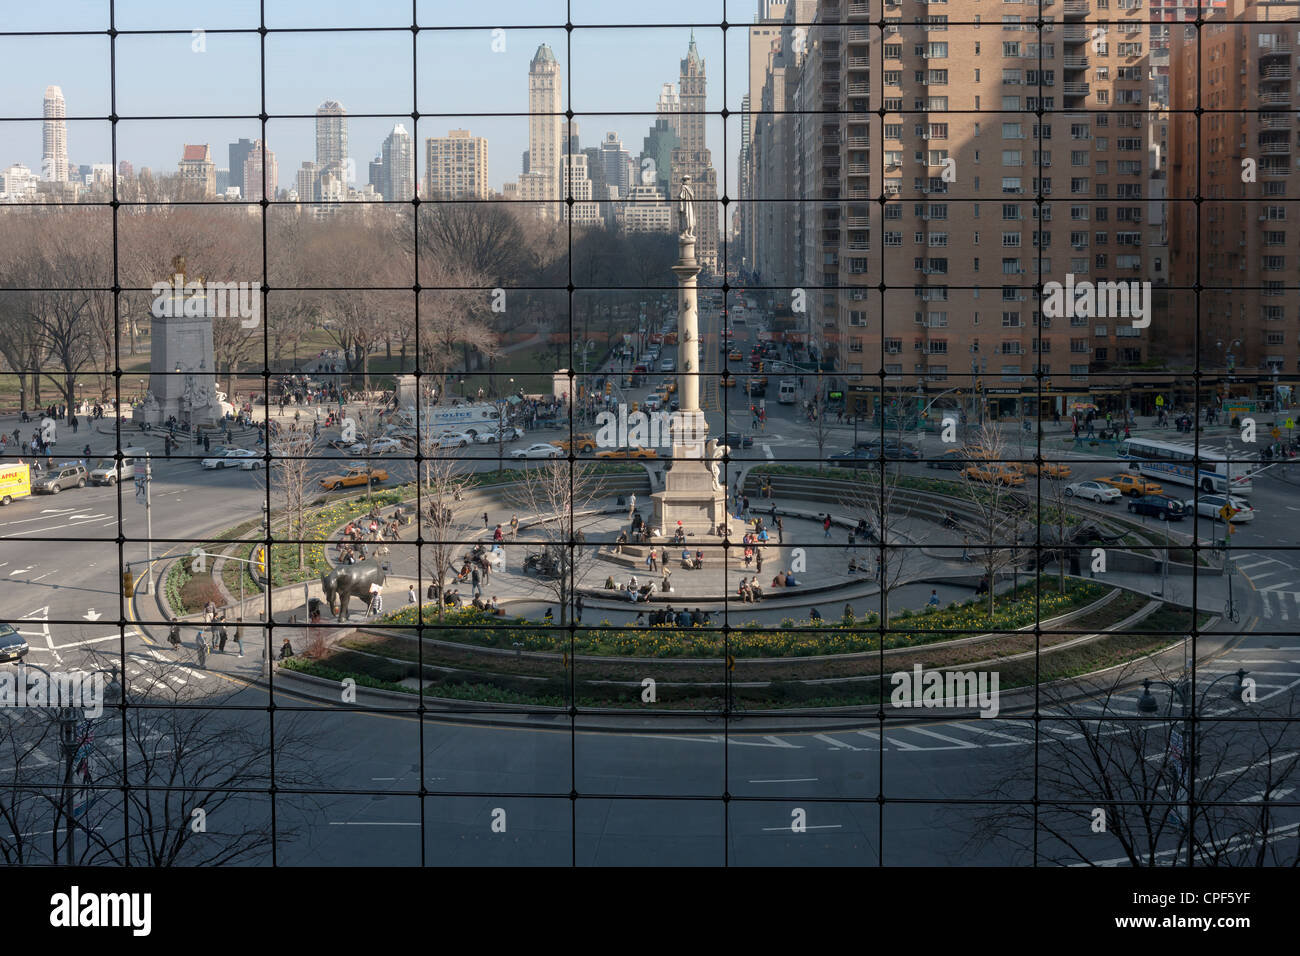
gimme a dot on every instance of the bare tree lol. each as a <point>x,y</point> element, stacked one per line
<point>370,426</point>
<point>454,321</point>
<point>998,510</point>
<point>877,501</point>
<point>556,492</point>
<point>135,780</point>
<point>445,479</point>
<point>292,445</point>
<point>1143,771</point>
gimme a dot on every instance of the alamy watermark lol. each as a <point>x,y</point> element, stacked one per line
<point>27,687</point>
<point>1100,300</point>
<point>977,690</point>
<point>177,298</point>
<point>657,429</point>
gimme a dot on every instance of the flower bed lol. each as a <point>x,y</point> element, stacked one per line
<point>802,639</point>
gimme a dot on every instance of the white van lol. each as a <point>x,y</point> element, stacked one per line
<point>787,395</point>
<point>108,472</point>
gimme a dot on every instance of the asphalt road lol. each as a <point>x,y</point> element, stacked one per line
<point>573,794</point>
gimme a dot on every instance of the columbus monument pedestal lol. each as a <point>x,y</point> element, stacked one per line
<point>182,365</point>
<point>692,492</point>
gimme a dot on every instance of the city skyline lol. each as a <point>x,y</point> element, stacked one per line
<point>607,72</point>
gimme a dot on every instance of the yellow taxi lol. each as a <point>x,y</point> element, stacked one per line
<point>353,477</point>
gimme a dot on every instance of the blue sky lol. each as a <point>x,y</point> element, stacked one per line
<point>607,67</point>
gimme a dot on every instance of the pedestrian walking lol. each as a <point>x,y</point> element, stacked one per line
<point>631,506</point>
<point>485,521</point>
<point>476,588</point>
<point>650,560</point>
<point>826,525</point>
<point>222,636</point>
<point>758,560</point>
<point>410,594</point>
<point>779,529</point>
<point>514,526</point>
<point>239,637</point>
<point>174,635</point>
<point>965,547</point>
<point>202,646</point>
<point>879,568</point>
<point>578,606</point>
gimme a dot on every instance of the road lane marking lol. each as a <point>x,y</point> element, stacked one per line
<point>788,780</point>
<point>960,744</point>
<point>371,823</point>
<point>823,826</point>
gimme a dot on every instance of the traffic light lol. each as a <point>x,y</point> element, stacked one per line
<point>128,584</point>
<point>979,384</point>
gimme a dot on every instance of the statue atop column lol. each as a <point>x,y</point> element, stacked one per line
<point>686,210</point>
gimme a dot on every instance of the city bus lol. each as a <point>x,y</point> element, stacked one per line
<point>1174,461</point>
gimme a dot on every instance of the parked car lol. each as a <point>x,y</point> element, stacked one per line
<point>109,471</point>
<point>894,449</point>
<point>1051,469</point>
<point>1209,506</point>
<point>229,458</point>
<point>539,450</point>
<point>455,440</point>
<point>1093,491</point>
<point>67,475</point>
<point>628,453</point>
<point>508,433</point>
<point>855,458</point>
<point>13,646</point>
<point>1133,485</point>
<point>379,446</point>
<point>992,474</point>
<point>953,459</point>
<point>353,477</point>
<point>1162,506</point>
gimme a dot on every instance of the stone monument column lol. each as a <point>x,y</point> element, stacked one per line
<point>692,493</point>
<point>690,428</point>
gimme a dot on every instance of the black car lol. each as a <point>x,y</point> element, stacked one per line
<point>1162,506</point>
<point>13,646</point>
<point>736,440</point>
<point>894,450</point>
<point>857,458</point>
<point>953,459</point>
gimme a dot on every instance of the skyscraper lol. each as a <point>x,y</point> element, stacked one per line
<point>332,136</point>
<point>692,157</point>
<point>54,154</point>
<point>542,183</point>
<point>615,160</point>
<point>260,160</point>
<point>399,166</point>
<point>238,156</point>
